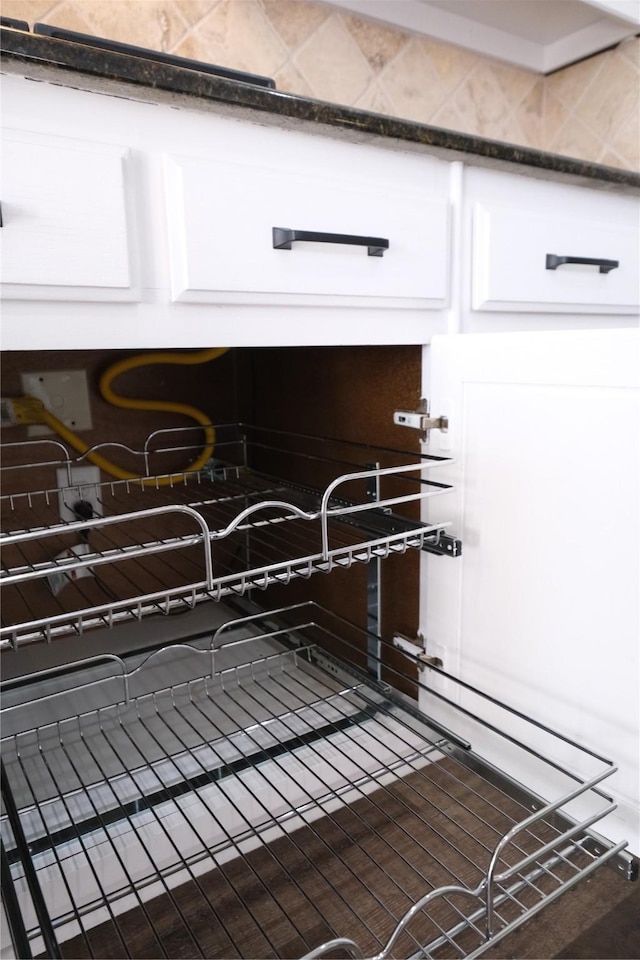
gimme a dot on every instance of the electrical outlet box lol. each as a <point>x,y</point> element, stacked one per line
<point>84,487</point>
<point>65,394</point>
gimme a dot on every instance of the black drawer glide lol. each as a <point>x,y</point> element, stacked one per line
<point>384,524</point>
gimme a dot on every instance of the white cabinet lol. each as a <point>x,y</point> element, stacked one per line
<point>542,607</point>
<point>223,209</point>
<point>551,248</point>
<point>68,227</point>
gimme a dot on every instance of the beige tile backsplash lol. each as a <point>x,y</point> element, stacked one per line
<point>590,110</point>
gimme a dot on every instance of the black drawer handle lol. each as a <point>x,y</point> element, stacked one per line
<point>554,261</point>
<point>283,238</point>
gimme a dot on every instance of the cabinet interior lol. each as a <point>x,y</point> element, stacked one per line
<point>343,393</point>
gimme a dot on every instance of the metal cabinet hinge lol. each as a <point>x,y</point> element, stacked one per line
<point>430,661</point>
<point>419,419</point>
<point>415,650</point>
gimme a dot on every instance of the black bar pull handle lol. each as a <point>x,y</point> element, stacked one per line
<point>553,262</point>
<point>283,238</point>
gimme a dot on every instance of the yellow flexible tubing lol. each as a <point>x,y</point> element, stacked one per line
<point>132,363</point>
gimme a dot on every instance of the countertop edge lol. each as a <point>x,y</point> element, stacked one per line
<point>17,47</point>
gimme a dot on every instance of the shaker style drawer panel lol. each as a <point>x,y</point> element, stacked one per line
<point>340,230</point>
<point>66,231</point>
<point>535,248</point>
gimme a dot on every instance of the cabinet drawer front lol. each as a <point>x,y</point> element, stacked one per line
<point>221,218</point>
<point>510,256</point>
<point>66,225</point>
<point>518,222</point>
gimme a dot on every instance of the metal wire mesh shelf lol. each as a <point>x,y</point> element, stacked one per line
<point>254,795</point>
<point>269,508</point>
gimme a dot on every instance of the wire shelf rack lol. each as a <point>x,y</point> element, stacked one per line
<point>269,508</point>
<point>252,794</point>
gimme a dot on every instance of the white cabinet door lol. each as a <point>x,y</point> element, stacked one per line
<point>223,208</point>
<point>541,610</point>
<point>66,232</point>
<point>554,248</point>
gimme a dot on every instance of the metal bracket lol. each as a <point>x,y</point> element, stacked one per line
<point>442,545</point>
<point>415,651</point>
<point>419,419</point>
<point>430,661</point>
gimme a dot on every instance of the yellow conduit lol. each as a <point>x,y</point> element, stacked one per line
<point>133,363</point>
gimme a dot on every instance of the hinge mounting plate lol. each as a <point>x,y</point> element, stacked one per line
<point>419,419</point>
<point>415,650</point>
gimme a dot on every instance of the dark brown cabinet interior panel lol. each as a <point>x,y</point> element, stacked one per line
<point>345,393</point>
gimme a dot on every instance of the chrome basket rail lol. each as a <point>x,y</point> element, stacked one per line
<point>254,792</point>
<point>167,541</point>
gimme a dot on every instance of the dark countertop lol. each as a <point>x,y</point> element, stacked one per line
<point>29,51</point>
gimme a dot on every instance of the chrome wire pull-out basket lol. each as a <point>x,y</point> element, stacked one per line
<point>253,794</point>
<point>268,508</point>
